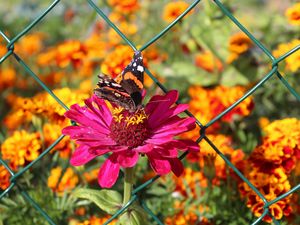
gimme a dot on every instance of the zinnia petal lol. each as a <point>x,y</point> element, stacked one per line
<point>159,165</point>
<point>81,156</point>
<point>176,166</point>
<point>85,117</point>
<point>175,127</point>
<point>102,111</point>
<point>158,105</point>
<point>109,172</point>
<point>144,148</point>
<point>158,119</point>
<point>127,158</point>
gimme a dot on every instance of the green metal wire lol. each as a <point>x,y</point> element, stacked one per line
<point>135,197</point>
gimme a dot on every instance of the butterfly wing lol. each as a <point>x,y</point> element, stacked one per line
<point>112,91</point>
<point>132,78</point>
<point>126,89</point>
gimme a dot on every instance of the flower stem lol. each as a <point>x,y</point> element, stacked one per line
<point>128,184</point>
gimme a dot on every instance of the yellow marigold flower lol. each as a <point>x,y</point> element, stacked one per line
<point>42,105</point>
<point>292,63</point>
<point>293,14</point>
<point>70,52</point>
<point>30,44</point>
<point>280,145</point>
<point>174,9</point>
<point>207,61</point>
<point>96,221</point>
<point>238,44</point>
<point>53,131</point>
<point>271,163</point>
<point>20,148</point>
<point>285,131</point>
<point>7,77</point>
<point>124,6</point>
<point>117,60</point>
<point>95,46</point>
<point>271,185</point>
<point>68,181</point>
<point>47,106</point>
<point>68,96</point>
<point>86,86</point>
<point>4,178</point>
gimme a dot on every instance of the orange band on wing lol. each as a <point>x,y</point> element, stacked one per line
<point>118,79</point>
<point>130,76</point>
<point>120,92</point>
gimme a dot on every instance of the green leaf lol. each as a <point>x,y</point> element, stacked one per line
<point>134,216</point>
<point>108,200</point>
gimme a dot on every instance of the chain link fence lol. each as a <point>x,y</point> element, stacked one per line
<point>202,136</point>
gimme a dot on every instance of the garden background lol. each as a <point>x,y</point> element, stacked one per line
<point>205,56</point>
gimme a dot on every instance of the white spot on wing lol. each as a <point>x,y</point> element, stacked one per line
<point>116,85</point>
<point>140,68</point>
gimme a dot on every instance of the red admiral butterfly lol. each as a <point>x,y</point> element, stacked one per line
<point>126,89</point>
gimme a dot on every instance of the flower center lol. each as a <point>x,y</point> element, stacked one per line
<point>129,129</point>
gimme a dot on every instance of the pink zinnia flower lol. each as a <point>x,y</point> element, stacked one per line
<point>150,131</point>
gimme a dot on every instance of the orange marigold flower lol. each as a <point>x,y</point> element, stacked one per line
<point>117,60</point>
<point>214,165</point>
<point>180,218</point>
<point>206,103</point>
<point>96,221</point>
<point>20,148</point>
<point>238,44</point>
<point>293,14</point>
<point>190,178</point>
<point>207,61</point>
<point>187,216</point>
<point>174,9</point>
<point>30,44</point>
<point>124,24</point>
<point>292,63</point>
<point>4,178</point>
<point>95,46</point>
<point>14,119</point>
<point>51,132</point>
<point>70,52</point>
<point>91,176</point>
<point>124,6</point>
<point>7,78</point>
<point>68,181</point>
<point>263,122</point>
<point>52,78</point>
<point>47,58</point>
<point>3,49</point>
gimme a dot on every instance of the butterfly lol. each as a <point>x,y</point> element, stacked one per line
<point>126,89</point>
